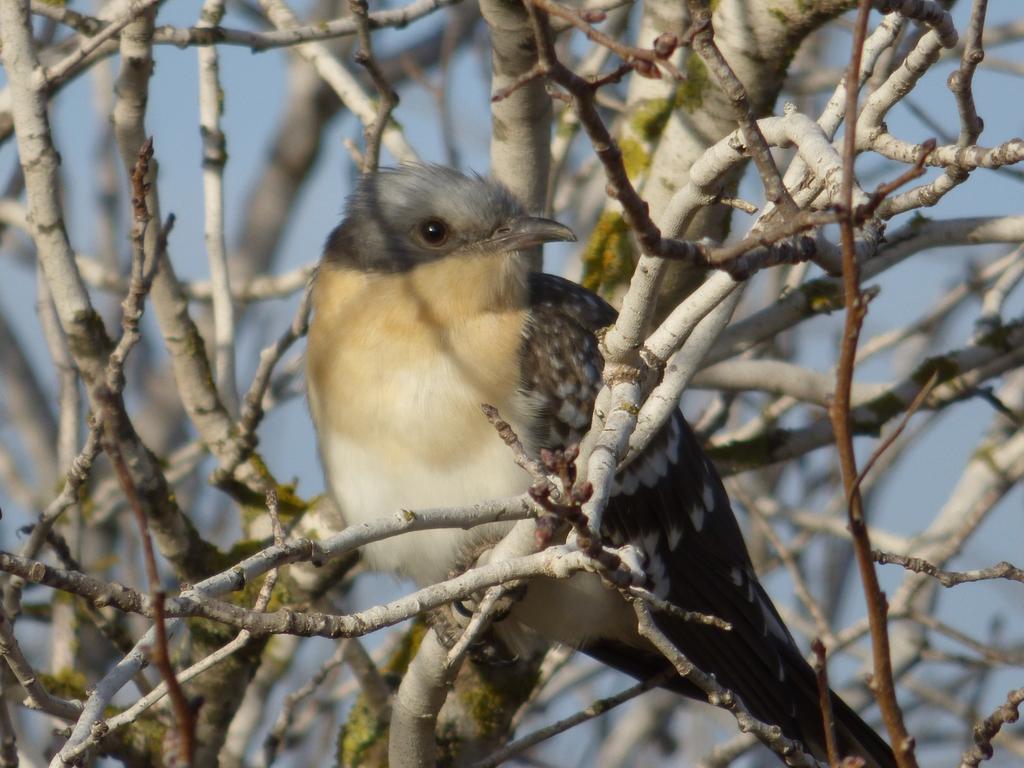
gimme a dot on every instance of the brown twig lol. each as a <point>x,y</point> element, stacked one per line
<point>635,210</point>
<point>703,35</point>
<point>891,438</point>
<point>511,439</point>
<point>538,70</point>
<point>133,306</point>
<point>883,684</point>
<point>744,257</point>
<point>646,61</point>
<point>252,404</point>
<point>825,701</point>
<point>387,97</point>
<point>567,503</point>
<point>867,210</point>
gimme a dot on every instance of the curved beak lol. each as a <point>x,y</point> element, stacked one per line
<point>528,231</point>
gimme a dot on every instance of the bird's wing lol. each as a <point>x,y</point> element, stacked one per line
<point>670,503</point>
<point>561,361</point>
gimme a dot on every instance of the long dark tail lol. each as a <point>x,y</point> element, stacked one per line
<point>854,737</point>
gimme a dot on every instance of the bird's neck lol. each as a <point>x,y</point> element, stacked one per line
<point>465,315</point>
<point>417,350</point>
<point>438,295</point>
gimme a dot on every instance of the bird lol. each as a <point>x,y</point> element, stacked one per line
<point>425,306</point>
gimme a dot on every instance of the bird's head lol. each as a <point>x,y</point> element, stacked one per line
<point>405,217</point>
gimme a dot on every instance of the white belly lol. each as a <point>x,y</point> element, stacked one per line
<point>407,432</point>
<point>367,484</point>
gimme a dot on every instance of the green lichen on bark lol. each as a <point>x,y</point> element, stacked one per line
<point>1002,338</point>
<point>609,256</point>
<point>220,687</point>
<point>648,118</point>
<point>636,158</point>
<point>822,295</point>
<point>885,406</point>
<point>363,738</point>
<point>690,95</point>
<point>65,683</point>
<point>290,506</point>
<point>756,452</point>
<point>478,714</point>
<point>140,745</point>
<point>942,367</point>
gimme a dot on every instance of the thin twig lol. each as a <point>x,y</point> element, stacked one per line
<point>867,210</point>
<point>275,739</point>
<point>646,61</point>
<point>595,709</point>
<point>891,438</point>
<point>1001,570</point>
<point>987,729</point>
<point>252,404</point>
<point>37,695</point>
<point>54,75</point>
<point>75,478</point>
<point>133,307</point>
<point>825,701</point>
<point>704,44</point>
<point>387,98</point>
<point>511,439</point>
<point>856,308</point>
<point>477,625</point>
<point>960,81</point>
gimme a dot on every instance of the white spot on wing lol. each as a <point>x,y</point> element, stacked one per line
<point>659,577</point>
<point>697,515</point>
<point>565,389</point>
<point>568,413</point>
<point>626,485</point>
<point>656,568</point>
<point>649,542</point>
<point>652,468</point>
<point>673,442</point>
<point>708,496</point>
<point>736,575</point>
<point>675,534</point>
<point>773,625</point>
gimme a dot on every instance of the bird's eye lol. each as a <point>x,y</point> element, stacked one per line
<point>433,232</point>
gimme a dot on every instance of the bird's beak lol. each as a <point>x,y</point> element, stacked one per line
<point>528,231</point>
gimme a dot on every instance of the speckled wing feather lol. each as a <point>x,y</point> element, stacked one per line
<point>561,362</point>
<point>670,503</point>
